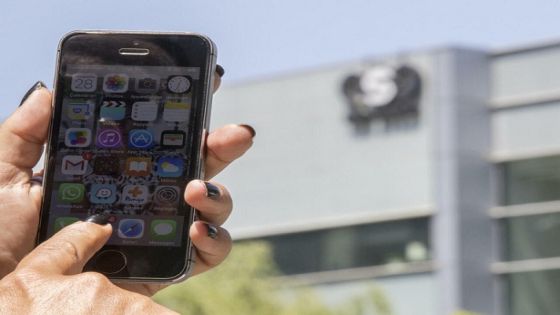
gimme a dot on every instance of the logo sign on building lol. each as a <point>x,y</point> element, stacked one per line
<point>382,91</point>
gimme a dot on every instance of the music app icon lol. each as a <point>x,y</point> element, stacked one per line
<point>109,138</point>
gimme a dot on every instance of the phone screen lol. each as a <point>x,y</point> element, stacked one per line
<point>121,150</point>
<point>125,140</point>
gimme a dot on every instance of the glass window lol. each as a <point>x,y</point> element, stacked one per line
<point>350,247</point>
<point>531,237</point>
<point>533,180</point>
<point>531,293</point>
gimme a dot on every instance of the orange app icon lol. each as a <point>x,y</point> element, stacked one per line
<point>138,166</point>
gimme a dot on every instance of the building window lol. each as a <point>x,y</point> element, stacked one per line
<point>531,237</point>
<point>352,247</point>
<point>532,180</point>
<point>533,292</point>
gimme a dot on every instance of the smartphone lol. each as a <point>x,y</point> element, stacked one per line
<point>131,112</point>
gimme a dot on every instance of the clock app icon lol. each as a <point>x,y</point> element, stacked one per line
<point>179,84</point>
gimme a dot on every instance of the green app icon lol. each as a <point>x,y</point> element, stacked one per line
<point>71,193</point>
<point>163,230</point>
<point>61,222</point>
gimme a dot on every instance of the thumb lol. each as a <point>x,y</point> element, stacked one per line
<point>69,250</point>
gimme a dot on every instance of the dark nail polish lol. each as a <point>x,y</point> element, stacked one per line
<point>212,231</point>
<point>220,70</point>
<point>99,218</point>
<point>212,191</point>
<point>36,86</point>
<point>251,129</point>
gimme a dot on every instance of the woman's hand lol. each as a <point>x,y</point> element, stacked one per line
<point>49,279</point>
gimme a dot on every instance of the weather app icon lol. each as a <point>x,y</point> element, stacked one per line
<point>170,166</point>
<point>140,139</point>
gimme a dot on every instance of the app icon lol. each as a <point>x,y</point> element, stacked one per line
<point>84,82</point>
<point>147,84</point>
<point>112,110</point>
<point>134,195</point>
<point>163,230</point>
<point>74,165</point>
<point>103,193</point>
<point>170,166</point>
<point>77,137</point>
<point>138,166</point>
<point>109,138</point>
<point>80,110</point>
<point>106,165</point>
<point>167,196</point>
<point>173,138</point>
<point>62,222</point>
<point>131,228</point>
<point>140,139</point>
<point>144,111</point>
<point>178,84</point>
<point>176,111</point>
<point>115,83</point>
<point>71,192</point>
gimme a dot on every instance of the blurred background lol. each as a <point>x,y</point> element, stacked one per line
<point>406,158</point>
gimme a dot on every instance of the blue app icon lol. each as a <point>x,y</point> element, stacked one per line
<point>140,139</point>
<point>103,193</point>
<point>131,228</point>
<point>170,166</point>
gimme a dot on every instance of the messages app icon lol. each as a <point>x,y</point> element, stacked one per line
<point>62,222</point>
<point>163,230</point>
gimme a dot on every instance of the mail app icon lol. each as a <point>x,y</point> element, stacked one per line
<point>74,165</point>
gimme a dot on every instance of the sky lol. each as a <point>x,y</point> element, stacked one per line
<point>261,39</point>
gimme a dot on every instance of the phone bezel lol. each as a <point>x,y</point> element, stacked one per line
<point>183,49</point>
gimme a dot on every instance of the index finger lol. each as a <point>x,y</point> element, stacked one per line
<point>68,251</point>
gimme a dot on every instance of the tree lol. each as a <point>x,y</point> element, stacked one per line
<point>245,284</point>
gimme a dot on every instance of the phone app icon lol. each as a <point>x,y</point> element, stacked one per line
<point>167,196</point>
<point>138,166</point>
<point>176,111</point>
<point>109,138</point>
<point>84,82</point>
<point>77,137</point>
<point>170,166</point>
<point>115,83</point>
<point>173,138</point>
<point>62,222</point>
<point>131,228</point>
<point>140,139</point>
<point>103,193</point>
<point>144,111</point>
<point>163,230</point>
<point>112,110</point>
<point>134,195</point>
<point>74,165</point>
<point>80,110</point>
<point>71,192</point>
<point>147,84</point>
<point>106,165</point>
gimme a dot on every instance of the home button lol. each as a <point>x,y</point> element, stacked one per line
<point>109,262</point>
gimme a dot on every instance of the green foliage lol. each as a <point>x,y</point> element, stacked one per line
<point>245,284</point>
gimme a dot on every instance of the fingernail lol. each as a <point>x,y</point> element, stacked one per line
<point>99,218</point>
<point>250,129</point>
<point>212,231</point>
<point>220,70</point>
<point>38,85</point>
<point>212,191</point>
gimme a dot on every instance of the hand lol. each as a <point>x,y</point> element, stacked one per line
<point>49,279</point>
<point>22,137</point>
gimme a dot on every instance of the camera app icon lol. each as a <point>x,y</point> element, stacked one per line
<point>147,84</point>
